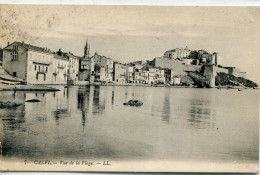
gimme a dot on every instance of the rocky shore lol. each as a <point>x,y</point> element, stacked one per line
<point>27,88</point>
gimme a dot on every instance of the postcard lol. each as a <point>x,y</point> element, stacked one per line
<point>108,88</point>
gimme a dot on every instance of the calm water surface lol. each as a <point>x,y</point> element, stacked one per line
<point>92,122</point>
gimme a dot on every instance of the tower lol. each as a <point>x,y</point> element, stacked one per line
<point>86,50</point>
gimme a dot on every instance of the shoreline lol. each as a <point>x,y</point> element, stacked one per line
<point>29,88</point>
<point>47,88</point>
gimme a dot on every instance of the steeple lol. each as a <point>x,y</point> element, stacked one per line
<point>86,50</point>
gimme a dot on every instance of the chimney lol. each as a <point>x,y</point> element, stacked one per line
<point>7,43</point>
<point>59,52</point>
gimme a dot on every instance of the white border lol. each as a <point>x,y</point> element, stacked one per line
<point>130,2</point>
<point>141,2</point>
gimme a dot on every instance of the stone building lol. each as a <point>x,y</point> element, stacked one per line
<point>37,65</point>
<point>60,69</point>
<point>129,74</point>
<point>178,53</point>
<point>236,72</point>
<point>175,65</point>
<point>176,80</point>
<point>216,59</point>
<point>103,68</point>
<point>86,66</point>
<point>119,73</point>
<point>169,75</point>
<point>73,66</point>
<point>207,58</point>
<point>210,71</point>
<point>141,75</point>
<point>156,75</point>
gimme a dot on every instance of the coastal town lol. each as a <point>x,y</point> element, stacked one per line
<point>129,88</point>
<point>23,63</point>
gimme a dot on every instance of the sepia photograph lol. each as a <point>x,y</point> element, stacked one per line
<point>127,88</point>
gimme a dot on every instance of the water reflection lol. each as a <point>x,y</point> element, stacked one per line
<point>60,113</point>
<point>83,102</point>
<point>93,122</point>
<point>12,118</point>
<point>200,114</point>
<point>166,111</point>
<point>113,93</point>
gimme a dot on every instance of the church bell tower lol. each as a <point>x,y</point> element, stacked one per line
<point>86,50</point>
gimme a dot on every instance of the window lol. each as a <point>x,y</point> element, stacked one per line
<point>35,67</point>
<point>39,68</point>
<point>46,69</point>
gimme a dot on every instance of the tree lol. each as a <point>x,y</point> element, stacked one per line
<point>194,54</point>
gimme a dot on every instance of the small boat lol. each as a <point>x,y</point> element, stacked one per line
<point>240,89</point>
<point>33,100</point>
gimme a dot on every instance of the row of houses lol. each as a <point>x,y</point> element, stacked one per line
<point>106,70</point>
<point>37,65</point>
<point>143,74</point>
<point>189,57</point>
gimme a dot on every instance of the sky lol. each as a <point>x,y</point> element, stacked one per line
<point>130,33</point>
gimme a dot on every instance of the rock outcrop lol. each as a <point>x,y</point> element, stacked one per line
<point>135,103</point>
<point>9,105</point>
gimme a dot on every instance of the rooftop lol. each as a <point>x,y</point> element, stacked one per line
<point>61,57</point>
<point>45,50</point>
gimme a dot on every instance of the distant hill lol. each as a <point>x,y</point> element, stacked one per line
<point>223,79</point>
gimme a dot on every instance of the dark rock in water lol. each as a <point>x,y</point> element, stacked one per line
<point>9,105</point>
<point>33,100</point>
<point>133,103</point>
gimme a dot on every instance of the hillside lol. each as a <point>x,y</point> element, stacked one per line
<point>223,79</point>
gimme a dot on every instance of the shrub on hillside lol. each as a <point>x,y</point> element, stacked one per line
<point>223,79</point>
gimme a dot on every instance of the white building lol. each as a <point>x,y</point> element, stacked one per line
<point>177,53</point>
<point>156,75</point>
<point>119,73</point>
<point>73,66</point>
<point>103,67</point>
<point>129,74</point>
<point>36,65</point>
<point>39,67</point>
<point>60,69</point>
<point>176,81</point>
